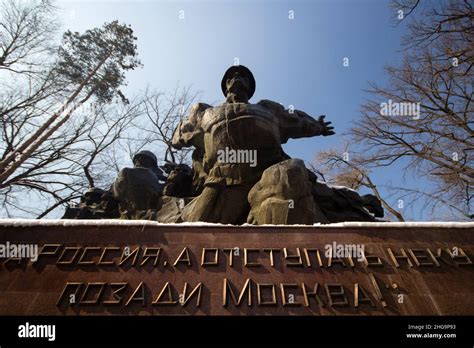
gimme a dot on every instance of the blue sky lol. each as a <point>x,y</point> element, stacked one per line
<point>295,61</point>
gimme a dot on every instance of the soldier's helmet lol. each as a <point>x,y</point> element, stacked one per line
<point>92,195</point>
<point>243,70</point>
<point>149,154</point>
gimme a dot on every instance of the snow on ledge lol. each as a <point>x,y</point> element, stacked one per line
<point>92,222</point>
<point>143,223</point>
<point>409,224</point>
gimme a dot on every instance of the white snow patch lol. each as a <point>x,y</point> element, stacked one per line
<point>102,222</point>
<point>335,186</point>
<point>409,224</point>
<point>117,222</point>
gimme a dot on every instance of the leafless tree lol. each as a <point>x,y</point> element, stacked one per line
<point>345,168</point>
<point>48,157</point>
<point>27,29</point>
<point>73,160</point>
<point>436,144</point>
<point>450,22</point>
<point>161,114</point>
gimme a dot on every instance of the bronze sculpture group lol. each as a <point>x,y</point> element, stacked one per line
<point>240,173</point>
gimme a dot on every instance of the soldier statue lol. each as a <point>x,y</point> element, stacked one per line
<point>240,169</point>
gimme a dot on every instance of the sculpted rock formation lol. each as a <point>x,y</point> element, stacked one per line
<point>283,196</point>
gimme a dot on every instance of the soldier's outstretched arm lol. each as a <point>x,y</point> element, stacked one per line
<point>298,124</point>
<point>189,131</point>
<point>311,126</point>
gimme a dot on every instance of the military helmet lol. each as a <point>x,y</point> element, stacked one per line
<point>94,191</point>
<point>242,70</point>
<point>148,154</point>
<point>93,194</point>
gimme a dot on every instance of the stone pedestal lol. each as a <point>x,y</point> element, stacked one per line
<point>141,267</point>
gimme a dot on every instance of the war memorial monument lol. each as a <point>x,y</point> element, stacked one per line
<point>246,231</point>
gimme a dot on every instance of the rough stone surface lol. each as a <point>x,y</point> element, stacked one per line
<point>171,209</point>
<point>283,196</point>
